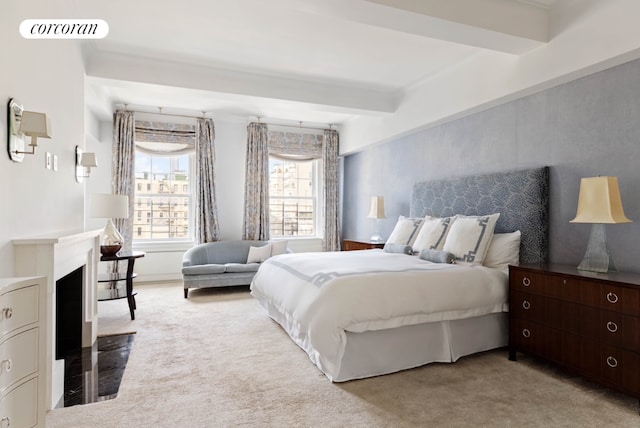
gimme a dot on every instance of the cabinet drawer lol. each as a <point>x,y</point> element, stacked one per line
<point>531,337</point>
<point>619,367</point>
<point>545,284</point>
<point>536,308</point>
<point>18,408</point>
<point>18,308</point>
<point>619,299</point>
<point>619,330</point>
<point>18,357</point>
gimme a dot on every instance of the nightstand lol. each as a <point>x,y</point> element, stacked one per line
<point>585,322</point>
<point>354,244</point>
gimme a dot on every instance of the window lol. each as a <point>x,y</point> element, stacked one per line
<point>166,210</point>
<point>293,198</point>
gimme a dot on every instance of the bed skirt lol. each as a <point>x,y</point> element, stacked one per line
<point>380,352</point>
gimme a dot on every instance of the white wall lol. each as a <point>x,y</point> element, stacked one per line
<point>45,76</point>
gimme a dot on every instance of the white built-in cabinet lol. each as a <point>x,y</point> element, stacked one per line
<point>22,351</point>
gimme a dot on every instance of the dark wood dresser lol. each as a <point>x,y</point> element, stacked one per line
<point>354,244</point>
<point>589,323</point>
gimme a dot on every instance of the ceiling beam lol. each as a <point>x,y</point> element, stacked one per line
<point>502,25</point>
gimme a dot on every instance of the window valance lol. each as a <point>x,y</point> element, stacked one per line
<point>165,138</point>
<point>294,145</point>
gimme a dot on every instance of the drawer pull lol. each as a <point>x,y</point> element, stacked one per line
<point>6,365</point>
<point>526,333</point>
<point>612,362</point>
<point>526,281</point>
<point>7,313</point>
<point>612,297</point>
<point>612,327</point>
<point>5,422</point>
<point>526,304</point>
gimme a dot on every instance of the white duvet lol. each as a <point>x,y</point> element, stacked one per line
<point>316,297</point>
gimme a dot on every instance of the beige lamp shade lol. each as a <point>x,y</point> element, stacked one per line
<point>377,207</point>
<point>89,160</point>
<point>599,201</point>
<point>35,125</point>
<point>107,205</point>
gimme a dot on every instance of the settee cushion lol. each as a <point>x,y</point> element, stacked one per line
<point>241,267</point>
<point>204,269</point>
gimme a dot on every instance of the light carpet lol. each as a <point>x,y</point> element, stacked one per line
<point>217,360</point>
<point>114,318</point>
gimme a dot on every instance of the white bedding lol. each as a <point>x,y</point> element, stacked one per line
<point>316,297</point>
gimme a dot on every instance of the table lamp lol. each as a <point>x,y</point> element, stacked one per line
<point>377,212</point>
<point>110,206</point>
<point>599,203</point>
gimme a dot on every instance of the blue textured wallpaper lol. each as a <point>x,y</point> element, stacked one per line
<point>584,128</point>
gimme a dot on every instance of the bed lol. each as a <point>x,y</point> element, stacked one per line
<point>365,313</point>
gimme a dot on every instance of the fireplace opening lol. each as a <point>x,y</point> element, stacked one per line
<point>69,313</point>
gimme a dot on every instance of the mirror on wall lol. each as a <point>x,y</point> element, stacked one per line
<point>15,138</point>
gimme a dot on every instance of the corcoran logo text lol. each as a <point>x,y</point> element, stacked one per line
<point>64,29</point>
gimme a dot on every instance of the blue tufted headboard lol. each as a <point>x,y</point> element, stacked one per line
<point>520,196</point>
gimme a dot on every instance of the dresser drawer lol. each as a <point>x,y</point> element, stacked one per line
<point>619,299</point>
<point>619,367</point>
<point>18,308</point>
<point>529,336</point>
<point>556,286</point>
<point>619,330</point>
<point>18,357</point>
<point>534,307</point>
<point>18,408</point>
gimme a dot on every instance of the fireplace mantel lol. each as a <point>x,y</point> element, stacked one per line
<point>55,255</point>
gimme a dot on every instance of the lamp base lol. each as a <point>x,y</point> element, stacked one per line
<point>109,250</point>
<point>377,238</point>
<point>597,258</point>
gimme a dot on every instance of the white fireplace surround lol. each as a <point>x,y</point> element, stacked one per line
<point>54,256</point>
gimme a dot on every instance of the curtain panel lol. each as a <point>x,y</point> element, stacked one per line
<point>123,172</point>
<point>206,218</point>
<point>331,241</point>
<point>256,196</point>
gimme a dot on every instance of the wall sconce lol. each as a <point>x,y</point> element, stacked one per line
<point>84,163</point>
<point>24,123</point>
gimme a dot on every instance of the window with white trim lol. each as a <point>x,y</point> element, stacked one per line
<point>163,182</point>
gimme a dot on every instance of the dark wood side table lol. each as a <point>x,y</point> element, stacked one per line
<point>114,290</point>
<point>354,244</point>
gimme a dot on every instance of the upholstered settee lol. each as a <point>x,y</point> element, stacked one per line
<point>226,263</point>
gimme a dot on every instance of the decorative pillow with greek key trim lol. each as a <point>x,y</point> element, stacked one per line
<point>405,231</point>
<point>470,237</point>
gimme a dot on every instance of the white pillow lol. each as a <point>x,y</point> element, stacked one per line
<point>433,233</point>
<point>259,254</point>
<point>405,231</point>
<point>504,250</point>
<point>278,247</point>
<point>469,237</point>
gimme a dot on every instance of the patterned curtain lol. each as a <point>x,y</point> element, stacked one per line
<point>207,229</point>
<point>123,169</point>
<point>256,194</point>
<point>331,240</point>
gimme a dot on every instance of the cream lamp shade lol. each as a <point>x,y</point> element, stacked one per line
<point>35,125</point>
<point>599,203</point>
<point>377,207</point>
<point>110,206</point>
<point>376,211</point>
<point>89,160</point>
